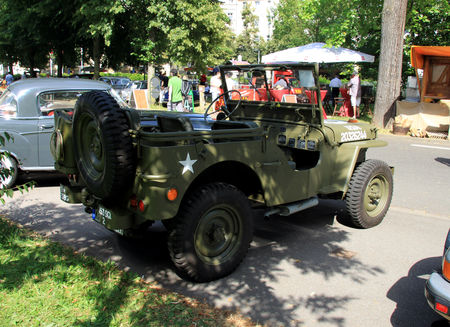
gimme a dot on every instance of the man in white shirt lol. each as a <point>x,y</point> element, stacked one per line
<point>215,84</point>
<point>355,92</point>
<point>231,84</point>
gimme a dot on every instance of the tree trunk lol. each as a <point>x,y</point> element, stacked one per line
<point>96,55</point>
<point>59,62</point>
<point>390,68</point>
<point>31,60</point>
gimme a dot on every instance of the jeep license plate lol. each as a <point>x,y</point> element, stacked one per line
<point>63,194</point>
<point>103,215</point>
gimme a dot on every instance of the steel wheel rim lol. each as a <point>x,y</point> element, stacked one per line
<point>376,195</point>
<point>218,234</point>
<point>90,146</point>
<point>5,163</point>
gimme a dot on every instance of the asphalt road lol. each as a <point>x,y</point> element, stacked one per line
<point>308,269</point>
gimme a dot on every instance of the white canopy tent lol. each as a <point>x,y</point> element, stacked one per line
<point>317,52</point>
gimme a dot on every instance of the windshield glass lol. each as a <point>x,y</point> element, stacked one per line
<point>49,101</point>
<point>118,98</point>
<point>295,84</point>
<point>8,105</point>
<point>65,100</point>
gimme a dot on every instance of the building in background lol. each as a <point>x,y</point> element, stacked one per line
<point>262,9</point>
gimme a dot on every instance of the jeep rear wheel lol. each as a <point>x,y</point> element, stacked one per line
<point>369,194</point>
<point>212,232</point>
<point>102,145</point>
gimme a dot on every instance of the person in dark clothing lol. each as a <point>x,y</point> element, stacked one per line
<point>203,79</point>
<point>164,84</point>
<point>335,85</point>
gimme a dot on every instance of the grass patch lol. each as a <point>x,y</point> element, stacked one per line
<point>43,283</point>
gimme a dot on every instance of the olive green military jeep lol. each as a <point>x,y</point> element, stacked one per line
<point>200,174</point>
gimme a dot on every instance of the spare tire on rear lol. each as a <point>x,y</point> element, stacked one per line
<point>103,147</point>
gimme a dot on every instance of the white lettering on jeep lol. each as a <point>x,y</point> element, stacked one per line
<point>353,136</point>
<point>104,213</point>
<point>65,197</point>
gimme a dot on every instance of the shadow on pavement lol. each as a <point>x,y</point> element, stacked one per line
<point>283,247</point>
<point>306,243</point>
<point>408,292</point>
<point>42,179</point>
<point>444,161</point>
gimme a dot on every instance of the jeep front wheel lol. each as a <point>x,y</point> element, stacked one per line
<point>369,194</point>
<point>212,232</point>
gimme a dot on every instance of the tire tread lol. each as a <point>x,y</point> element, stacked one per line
<point>357,185</point>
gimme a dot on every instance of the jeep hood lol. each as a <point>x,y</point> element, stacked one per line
<point>343,132</point>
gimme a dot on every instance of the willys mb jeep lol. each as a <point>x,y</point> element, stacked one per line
<point>200,174</point>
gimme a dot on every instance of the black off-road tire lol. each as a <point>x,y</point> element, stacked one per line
<point>369,194</point>
<point>212,232</point>
<point>103,147</point>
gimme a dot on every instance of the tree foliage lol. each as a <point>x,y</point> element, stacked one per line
<point>246,44</point>
<point>335,22</point>
<point>114,32</point>
<point>356,24</point>
<point>181,32</point>
<point>427,23</point>
<point>21,33</point>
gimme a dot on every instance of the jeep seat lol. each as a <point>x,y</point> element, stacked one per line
<point>174,123</point>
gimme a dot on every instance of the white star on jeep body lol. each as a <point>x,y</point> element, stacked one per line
<point>187,164</point>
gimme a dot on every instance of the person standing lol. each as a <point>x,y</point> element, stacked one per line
<point>175,96</point>
<point>355,92</point>
<point>335,85</point>
<point>281,84</point>
<point>9,78</point>
<point>163,86</point>
<point>203,79</point>
<point>231,84</point>
<point>215,84</point>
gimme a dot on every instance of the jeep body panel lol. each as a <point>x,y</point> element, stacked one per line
<point>266,145</point>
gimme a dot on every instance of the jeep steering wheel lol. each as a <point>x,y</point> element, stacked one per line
<point>223,108</point>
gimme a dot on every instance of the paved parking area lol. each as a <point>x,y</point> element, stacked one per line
<point>309,269</point>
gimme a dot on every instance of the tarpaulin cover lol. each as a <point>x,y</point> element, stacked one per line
<point>426,116</point>
<point>418,52</point>
<point>316,52</point>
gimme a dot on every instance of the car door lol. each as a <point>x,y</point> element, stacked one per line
<point>45,130</point>
<point>20,123</point>
<point>48,102</point>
